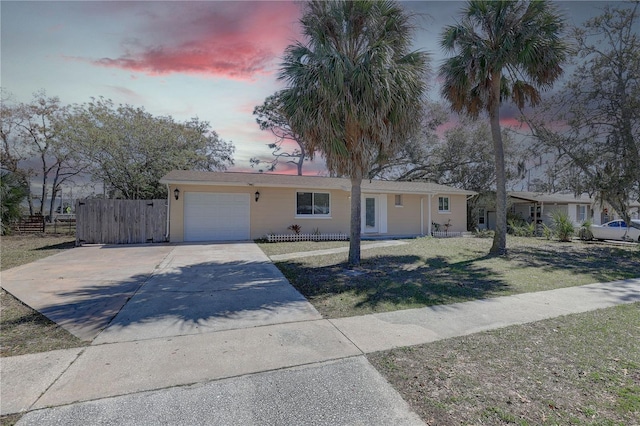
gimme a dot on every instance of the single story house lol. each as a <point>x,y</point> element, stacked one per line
<point>543,206</point>
<point>217,206</point>
<point>540,207</point>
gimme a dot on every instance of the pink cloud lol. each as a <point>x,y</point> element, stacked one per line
<point>236,40</point>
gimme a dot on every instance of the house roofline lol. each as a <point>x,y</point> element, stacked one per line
<point>321,183</point>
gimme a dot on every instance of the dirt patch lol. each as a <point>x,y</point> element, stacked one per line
<point>26,331</point>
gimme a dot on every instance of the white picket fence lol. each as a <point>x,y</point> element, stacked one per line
<point>279,238</point>
<point>444,234</point>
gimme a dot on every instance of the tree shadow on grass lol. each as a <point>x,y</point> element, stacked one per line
<point>398,282</point>
<point>401,281</point>
<point>603,263</point>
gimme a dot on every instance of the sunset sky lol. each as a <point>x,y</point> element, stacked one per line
<point>215,60</point>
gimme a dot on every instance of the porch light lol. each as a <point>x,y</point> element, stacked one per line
<point>176,193</point>
<point>257,194</point>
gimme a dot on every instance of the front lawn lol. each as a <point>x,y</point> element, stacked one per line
<point>428,271</point>
<point>581,369</point>
<point>16,250</point>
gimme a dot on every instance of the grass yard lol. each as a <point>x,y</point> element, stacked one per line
<point>581,369</point>
<point>24,330</point>
<point>16,250</point>
<point>272,249</point>
<point>428,271</point>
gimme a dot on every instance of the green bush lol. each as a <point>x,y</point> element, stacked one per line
<point>562,226</point>
<point>12,192</point>
<point>521,228</point>
<point>483,233</point>
<point>585,231</point>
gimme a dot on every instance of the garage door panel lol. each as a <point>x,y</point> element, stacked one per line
<point>216,217</point>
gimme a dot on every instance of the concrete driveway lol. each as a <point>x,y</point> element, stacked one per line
<point>110,294</point>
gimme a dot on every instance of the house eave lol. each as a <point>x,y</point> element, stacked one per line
<point>320,185</point>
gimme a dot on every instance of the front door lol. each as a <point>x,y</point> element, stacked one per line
<point>370,214</point>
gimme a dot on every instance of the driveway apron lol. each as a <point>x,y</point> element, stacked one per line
<point>82,289</point>
<point>201,288</point>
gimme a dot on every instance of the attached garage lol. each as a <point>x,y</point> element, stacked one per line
<point>216,216</point>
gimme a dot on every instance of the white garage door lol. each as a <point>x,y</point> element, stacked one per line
<point>216,217</point>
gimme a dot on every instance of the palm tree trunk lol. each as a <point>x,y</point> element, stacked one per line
<point>301,159</point>
<point>354,234</point>
<point>499,245</point>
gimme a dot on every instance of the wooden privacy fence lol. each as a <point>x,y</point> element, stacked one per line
<point>120,221</point>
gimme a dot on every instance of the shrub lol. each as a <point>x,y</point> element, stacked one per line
<point>483,233</point>
<point>585,231</point>
<point>563,226</point>
<point>12,192</point>
<point>521,228</point>
<point>295,228</point>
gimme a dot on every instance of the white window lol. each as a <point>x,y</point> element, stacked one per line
<point>443,205</point>
<point>398,200</point>
<point>581,213</point>
<point>315,204</point>
<point>481,216</point>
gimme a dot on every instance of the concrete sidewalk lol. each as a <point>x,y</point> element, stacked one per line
<point>263,366</point>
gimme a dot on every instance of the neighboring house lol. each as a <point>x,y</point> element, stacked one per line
<point>634,210</point>
<point>217,206</point>
<point>540,207</point>
<point>607,213</point>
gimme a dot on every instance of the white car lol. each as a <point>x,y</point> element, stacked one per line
<point>617,230</point>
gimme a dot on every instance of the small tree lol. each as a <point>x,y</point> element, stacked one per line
<point>31,132</point>
<point>270,116</point>
<point>14,155</point>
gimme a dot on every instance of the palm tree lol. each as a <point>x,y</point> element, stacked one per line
<point>354,90</point>
<point>503,49</point>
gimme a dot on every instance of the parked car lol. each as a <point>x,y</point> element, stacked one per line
<point>616,230</point>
